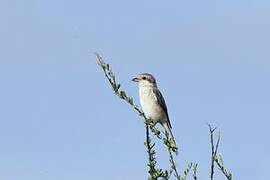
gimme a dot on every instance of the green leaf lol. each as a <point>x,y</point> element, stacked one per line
<point>123,95</point>
<point>107,66</point>
<point>118,87</point>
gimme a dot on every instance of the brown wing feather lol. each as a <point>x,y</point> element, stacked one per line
<point>162,103</point>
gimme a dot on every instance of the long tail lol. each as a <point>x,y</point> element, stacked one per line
<point>169,133</point>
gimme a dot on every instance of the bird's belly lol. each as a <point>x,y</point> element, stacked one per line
<point>152,113</point>
<point>150,106</point>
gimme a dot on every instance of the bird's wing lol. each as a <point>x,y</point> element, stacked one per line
<point>160,100</point>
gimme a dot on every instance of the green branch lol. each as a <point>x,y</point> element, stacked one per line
<point>217,159</point>
<point>220,164</point>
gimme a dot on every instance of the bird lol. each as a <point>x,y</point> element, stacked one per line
<point>153,104</point>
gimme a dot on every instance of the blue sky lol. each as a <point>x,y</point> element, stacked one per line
<point>60,119</point>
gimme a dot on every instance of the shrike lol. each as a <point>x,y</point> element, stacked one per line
<point>153,103</point>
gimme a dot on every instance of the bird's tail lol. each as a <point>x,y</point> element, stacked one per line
<point>169,134</point>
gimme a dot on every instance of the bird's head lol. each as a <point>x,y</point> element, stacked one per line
<point>145,79</point>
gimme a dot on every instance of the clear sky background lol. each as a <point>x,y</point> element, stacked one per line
<point>60,120</point>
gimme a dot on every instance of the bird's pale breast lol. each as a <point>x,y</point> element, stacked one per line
<point>149,104</point>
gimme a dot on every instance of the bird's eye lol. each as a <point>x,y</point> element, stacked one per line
<point>144,78</point>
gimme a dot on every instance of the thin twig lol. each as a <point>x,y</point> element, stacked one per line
<point>220,165</point>
<point>186,171</point>
<point>172,161</point>
<point>217,159</point>
<point>217,144</point>
<point>173,165</point>
<point>211,130</point>
<point>194,169</point>
<point>150,158</point>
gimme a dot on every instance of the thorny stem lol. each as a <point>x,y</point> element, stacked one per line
<point>194,175</point>
<point>173,165</point>
<point>150,158</point>
<point>211,130</point>
<point>214,158</point>
<point>172,161</point>
<point>226,173</point>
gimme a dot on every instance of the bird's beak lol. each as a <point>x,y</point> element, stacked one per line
<point>135,79</point>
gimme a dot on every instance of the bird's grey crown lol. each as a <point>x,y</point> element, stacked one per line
<point>148,77</point>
